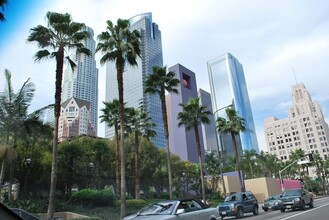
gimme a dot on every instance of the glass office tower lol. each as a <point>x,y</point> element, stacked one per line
<point>229,90</point>
<point>82,82</point>
<point>134,76</point>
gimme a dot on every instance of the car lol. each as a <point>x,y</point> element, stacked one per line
<point>296,199</point>
<point>24,214</point>
<point>238,203</point>
<point>180,209</point>
<point>8,214</point>
<point>272,203</point>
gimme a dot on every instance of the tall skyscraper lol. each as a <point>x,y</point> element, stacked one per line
<point>134,76</point>
<point>82,82</point>
<point>229,90</point>
<point>208,130</point>
<point>305,128</point>
<point>182,142</point>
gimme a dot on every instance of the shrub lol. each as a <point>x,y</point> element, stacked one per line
<point>94,198</point>
<point>136,203</point>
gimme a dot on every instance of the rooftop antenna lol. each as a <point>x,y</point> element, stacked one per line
<point>294,74</point>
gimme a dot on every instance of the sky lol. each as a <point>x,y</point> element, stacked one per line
<point>278,42</point>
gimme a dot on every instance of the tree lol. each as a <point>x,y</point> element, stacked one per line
<point>191,117</point>
<point>122,46</point>
<point>60,35</point>
<point>13,112</point>
<point>248,162</point>
<point>111,118</point>
<point>298,154</point>
<point>158,83</point>
<point>3,3</point>
<point>233,125</point>
<point>269,165</point>
<point>140,125</point>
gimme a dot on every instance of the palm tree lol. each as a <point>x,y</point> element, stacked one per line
<point>158,83</point>
<point>122,46</point>
<point>60,35</point>
<point>248,159</point>
<point>296,155</point>
<point>233,125</point>
<point>111,118</point>
<point>269,164</point>
<point>3,3</point>
<point>191,117</point>
<point>13,112</point>
<point>140,125</point>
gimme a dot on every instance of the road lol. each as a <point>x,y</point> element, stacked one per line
<point>319,212</point>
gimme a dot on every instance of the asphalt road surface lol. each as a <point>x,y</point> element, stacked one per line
<point>319,212</point>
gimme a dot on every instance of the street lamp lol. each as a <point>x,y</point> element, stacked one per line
<point>91,168</point>
<point>27,163</point>
<point>220,152</point>
<point>185,183</point>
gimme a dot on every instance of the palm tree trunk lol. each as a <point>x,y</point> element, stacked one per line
<point>197,138</point>
<point>137,167</point>
<point>117,160</point>
<point>237,161</point>
<point>3,164</point>
<point>120,63</point>
<point>58,84</point>
<point>165,126</point>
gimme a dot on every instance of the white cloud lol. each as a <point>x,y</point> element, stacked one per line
<point>267,37</point>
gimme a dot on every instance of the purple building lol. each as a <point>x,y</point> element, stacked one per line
<point>182,142</point>
<point>208,130</point>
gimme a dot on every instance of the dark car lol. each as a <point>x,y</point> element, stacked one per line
<point>236,204</point>
<point>296,199</point>
<point>272,203</point>
<point>24,214</point>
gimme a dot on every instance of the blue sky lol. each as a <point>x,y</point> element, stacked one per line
<point>270,38</point>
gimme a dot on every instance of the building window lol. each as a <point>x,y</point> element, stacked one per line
<point>186,81</point>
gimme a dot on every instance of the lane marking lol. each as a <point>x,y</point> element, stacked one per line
<point>310,210</point>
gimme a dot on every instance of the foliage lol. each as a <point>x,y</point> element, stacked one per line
<point>93,198</point>
<point>30,205</point>
<point>232,125</point>
<point>136,203</point>
<point>159,82</point>
<point>3,4</point>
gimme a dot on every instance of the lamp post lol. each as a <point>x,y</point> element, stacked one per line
<point>185,184</point>
<point>27,163</point>
<point>220,152</point>
<point>91,169</point>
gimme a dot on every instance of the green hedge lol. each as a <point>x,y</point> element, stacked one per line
<point>94,198</point>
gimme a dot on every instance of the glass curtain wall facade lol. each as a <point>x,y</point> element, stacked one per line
<point>229,90</point>
<point>134,76</point>
<point>82,83</point>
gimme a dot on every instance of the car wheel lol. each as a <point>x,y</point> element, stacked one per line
<point>265,209</point>
<point>311,203</point>
<point>240,213</point>
<point>302,205</point>
<point>282,209</point>
<point>255,210</point>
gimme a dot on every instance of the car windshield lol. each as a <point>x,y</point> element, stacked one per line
<point>233,197</point>
<point>291,193</point>
<point>161,208</point>
<point>273,197</point>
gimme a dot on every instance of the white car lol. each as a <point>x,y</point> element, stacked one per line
<point>180,209</point>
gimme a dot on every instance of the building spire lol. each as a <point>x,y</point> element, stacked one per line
<point>294,75</point>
